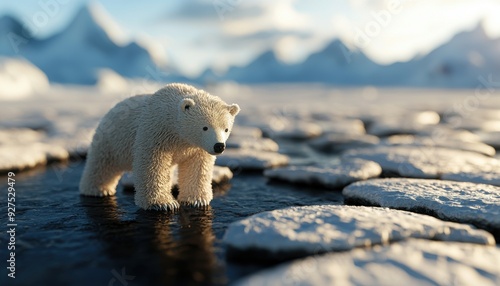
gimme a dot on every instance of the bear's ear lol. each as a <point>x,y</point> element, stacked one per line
<point>233,109</point>
<point>187,103</point>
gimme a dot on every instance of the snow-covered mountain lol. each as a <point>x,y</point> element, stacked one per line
<point>15,37</point>
<point>265,68</point>
<point>457,63</point>
<point>91,42</point>
<point>338,64</point>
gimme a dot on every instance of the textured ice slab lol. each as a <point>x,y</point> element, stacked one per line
<point>476,204</point>
<point>20,79</point>
<point>297,130</point>
<point>491,138</point>
<point>443,132</point>
<point>343,126</point>
<point>16,136</point>
<point>26,156</point>
<point>262,144</point>
<point>412,262</point>
<point>341,142</point>
<point>23,148</point>
<point>477,124</point>
<point>432,163</point>
<point>491,176</point>
<point>429,141</point>
<point>404,124</point>
<point>246,131</point>
<point>300,231</point>
<point>333,176</point>
<point>220,175</point>
<point>251,159</point>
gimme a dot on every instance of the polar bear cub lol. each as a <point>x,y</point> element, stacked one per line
<point>149,134</point>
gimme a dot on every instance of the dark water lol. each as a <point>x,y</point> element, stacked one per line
<point>65,239</point>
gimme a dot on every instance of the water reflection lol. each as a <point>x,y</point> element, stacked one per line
<point>157,247</point>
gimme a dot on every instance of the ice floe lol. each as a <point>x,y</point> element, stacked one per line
<point>16,136</point>
<point>290,129</point>
<point>431,162</point>
<point>246,131</point>
<point>20,79</point>
<point>343,126</point>
<point>262,144</point>
<point>428,141</point>
<point>490,138</point>
<point>476,124</point>
<point>403,124</point>
<point>26,156</point>
<point>251,159</point>
<point>412,262</point>
<point>300,231</point>
<point>477,204</point>
<point>342,142</point>
<point>329,176</point>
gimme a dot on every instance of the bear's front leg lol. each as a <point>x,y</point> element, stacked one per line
<point>195,179</point>
<point>152,171</point>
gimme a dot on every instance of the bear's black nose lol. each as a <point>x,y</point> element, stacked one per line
<point>219,147</point>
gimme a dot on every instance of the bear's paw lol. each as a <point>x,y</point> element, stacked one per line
<point>170,206</point>
<point>95,192</point>
<point>196,203</point>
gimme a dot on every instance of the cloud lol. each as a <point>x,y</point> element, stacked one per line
<point>278,14</point>
<point>266,36</point>
<point>212,11</point>
<point>271,35</point>
<point>233,31</point>
<point>193,10</point>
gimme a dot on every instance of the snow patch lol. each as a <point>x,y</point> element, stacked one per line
<point>412,262</point>
<point>430,162</point>
<point>299,231</point>
<point>20,79</point>
<point>429,141</point>
<point>333,143</point>
<point>251,159</point>
<point>27,156</point>
<point>333,176</point>
<point>477,204</point>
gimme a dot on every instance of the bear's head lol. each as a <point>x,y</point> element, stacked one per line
<point>206,122</point>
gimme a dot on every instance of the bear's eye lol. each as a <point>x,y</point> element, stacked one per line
<point>226,130</point>
<point>205,128</point>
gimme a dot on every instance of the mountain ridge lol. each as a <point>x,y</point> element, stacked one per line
<point>456,63</point>
<point>92,41</point>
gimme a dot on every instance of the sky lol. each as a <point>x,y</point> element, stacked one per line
<point>194,35</point>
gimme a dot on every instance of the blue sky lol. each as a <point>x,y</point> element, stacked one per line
<point>218,33</point>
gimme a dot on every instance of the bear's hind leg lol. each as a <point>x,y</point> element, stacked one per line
<point>195,180</point>
<point>99,179</point>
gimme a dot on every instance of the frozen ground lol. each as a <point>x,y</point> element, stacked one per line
<point>441,134</point>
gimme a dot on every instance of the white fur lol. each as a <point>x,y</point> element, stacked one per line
<point>149,134</point>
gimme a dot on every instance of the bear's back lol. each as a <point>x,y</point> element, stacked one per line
<point>117,130</point>
<point>176,91</point>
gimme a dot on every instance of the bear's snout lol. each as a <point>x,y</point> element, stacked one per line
<point>219,147</point>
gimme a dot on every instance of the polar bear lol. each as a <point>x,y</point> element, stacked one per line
<point>149,134</point>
